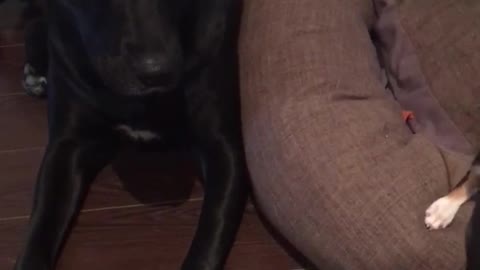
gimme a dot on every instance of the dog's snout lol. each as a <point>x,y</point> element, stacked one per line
<point>153,68</point>
<point>156,78</point>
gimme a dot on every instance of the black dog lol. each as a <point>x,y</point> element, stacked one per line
<point>473,239</point>
<point>36,52</point>
<point>158,71</point>
<point>473,231</point>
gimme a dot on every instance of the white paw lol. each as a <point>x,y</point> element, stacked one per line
<point>441,213</point>
<point>33,83</point>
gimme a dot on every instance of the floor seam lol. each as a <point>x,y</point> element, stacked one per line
<point>17,150</point>
<point>100,209</point>
<point>13,94</point>
<point>13,45</point>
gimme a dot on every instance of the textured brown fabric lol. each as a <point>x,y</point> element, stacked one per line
<point>409,84</point>
<point>333,166</point>
<point>446,36</point>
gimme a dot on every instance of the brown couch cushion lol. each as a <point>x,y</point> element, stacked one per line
<point>334,166</point>
<point>446,37</point>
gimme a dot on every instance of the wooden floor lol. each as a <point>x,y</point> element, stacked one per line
<point>140,213</point>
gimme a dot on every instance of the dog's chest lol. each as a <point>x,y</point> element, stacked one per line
<point>160,118</point>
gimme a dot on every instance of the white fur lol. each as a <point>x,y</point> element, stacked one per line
<point>441,213</point>
<point>138,134</point>
<point>33,83</point>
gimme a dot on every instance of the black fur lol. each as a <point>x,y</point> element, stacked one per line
<point>35,25</point>
<point>473,233</point>
<point>168,66</point>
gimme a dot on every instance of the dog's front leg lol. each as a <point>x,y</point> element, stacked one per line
<point>473,239</point>
<point>213,103</point>
<point>473,231</point>
<point>225,197</point>
<point>68,167</point>
<point>215,120</point>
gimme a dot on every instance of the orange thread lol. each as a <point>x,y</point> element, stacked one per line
<point>407,116</point>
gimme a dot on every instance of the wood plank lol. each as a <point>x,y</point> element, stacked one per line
<point>17,172</point>
<point>23,121</point>
<point>10,79</point>
<point>148,178</point>
<point>10,12</point>
<point>11,37</point>
<point>147,238</point>
<point>13,54</point>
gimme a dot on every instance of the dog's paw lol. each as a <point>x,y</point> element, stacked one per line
<point>441,213</point>
<point>33,83</point>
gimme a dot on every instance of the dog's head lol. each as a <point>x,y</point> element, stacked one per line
<point>135,46</point>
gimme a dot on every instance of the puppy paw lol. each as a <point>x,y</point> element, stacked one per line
<point>441,213</point>
<point>33,83</point>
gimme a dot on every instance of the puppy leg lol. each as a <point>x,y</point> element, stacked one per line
<point>214,114</point>
<point>68,168</point>
<point>225,197</point>
<point>36,66</point>
<point>473,239</point>
<point>442,212</point>
<point>473,231</point>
